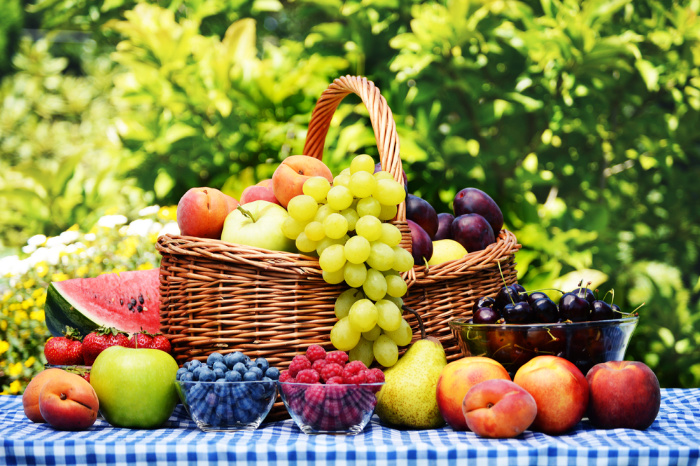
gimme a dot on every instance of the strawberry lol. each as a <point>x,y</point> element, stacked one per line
<point>66,350</point>
<point>141,340</point>
<point>98,340</point>
<point>161,342</point>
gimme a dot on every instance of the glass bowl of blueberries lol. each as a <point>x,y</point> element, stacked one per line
<point>515,326</point>
<point>227,392</point>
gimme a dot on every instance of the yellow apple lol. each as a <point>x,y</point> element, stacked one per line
<point>446,250</point>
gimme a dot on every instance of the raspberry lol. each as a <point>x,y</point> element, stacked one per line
<point>338,357</point>
<point>315,352</point>
<point>299,363</point>
<point>307,376</point>
<point>355,372</point>
<point>318,365</point>
<point>335,380</point>
<point>286,376</point>
<point>375,376</point>
<point>315,394</point>
<point>331,370</point>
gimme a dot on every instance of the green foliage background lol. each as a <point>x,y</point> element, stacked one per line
<point>579,118</point>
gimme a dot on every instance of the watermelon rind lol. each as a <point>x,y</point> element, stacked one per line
<point>60,313</point>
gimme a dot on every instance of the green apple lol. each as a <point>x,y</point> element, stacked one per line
<point>135,387</point>
<point>259,224</point>
<point>446,250</point>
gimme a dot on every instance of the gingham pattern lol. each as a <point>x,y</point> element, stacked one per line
<point>674,438</point>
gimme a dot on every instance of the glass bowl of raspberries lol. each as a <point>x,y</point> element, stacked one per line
<point>325,393</point>
<point>227,392</point>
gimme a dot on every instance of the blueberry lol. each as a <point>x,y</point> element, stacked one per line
<point>180,372</point>
<point>273,373</point>
<point>250,376</point>
<point>193,364</point>
<point>244,404</point>
<point>232,358</point>
<point>257,371</point>
<point>219,365</point>
<point>187,377</point>
<point>214,357</point>
<point>220,388</point>
<point>239,392</point>
<point>240,367</point>
<point>233,376</point>
<point>262,364</point>
<point>219,373</point>
<point>207,375</point>
<point>197,371</point>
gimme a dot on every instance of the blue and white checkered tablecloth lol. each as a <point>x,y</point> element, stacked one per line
<point>674,438</point>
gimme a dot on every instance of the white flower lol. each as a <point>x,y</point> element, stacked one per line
<point>111,221</point>
<point>170,228</point>
<point>150,210</point>
<point>36,240</point>
<point>10,265</point>
<point>90,237</point>
<point>139,227</point>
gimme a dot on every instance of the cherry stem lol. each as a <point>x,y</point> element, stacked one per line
<point>504,282</point>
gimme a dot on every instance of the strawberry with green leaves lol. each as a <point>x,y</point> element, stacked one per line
<point>161,342</point>
<point>144,339</point>
<point>66,350</point>
<point>99,340</point>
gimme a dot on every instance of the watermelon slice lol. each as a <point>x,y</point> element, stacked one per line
<point>128,301</point>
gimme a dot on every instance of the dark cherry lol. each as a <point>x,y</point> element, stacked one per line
<point>585,293</point>
<point>535,295</point>
<point>518,313</point>
<point>545,310</point>
<point>506,295</point>
<point>574,308</point>
<point>617,312</point>
<point>484,301</point>
<point>600,310</point>
<point>522,292</point>
<point>486,315</point>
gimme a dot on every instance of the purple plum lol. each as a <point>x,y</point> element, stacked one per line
<point>420,211</point>
<point>421,244</point>
<point>444,221</point>
<point>472,231</point>
<point>475,201</point>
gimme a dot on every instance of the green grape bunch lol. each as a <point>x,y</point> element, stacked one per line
<point>346,224</point>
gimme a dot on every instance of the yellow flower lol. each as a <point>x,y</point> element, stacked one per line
<point>82,271</point>
<point>3,325</point>
<point>6,296</point>
<point>15,369</point>
<point>146,266</point>
<point>59,277</point>
<point>4,346</point>
<point>39,316</point>
<point>168,213</point>
<point>30,362</point>
<point>27,303</point>
<point>15,387</point>
<point>41,269</point>
<point>75,227</point>
<point>20,316</point>
<point>29,283</point>
<point>39,293</point>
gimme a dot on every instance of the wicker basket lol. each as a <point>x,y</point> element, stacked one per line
<point>218,296</point>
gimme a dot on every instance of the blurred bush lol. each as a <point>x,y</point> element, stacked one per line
<point>579,118</point>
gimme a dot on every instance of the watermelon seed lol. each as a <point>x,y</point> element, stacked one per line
<point>121,301</point>
<point>141,299</point>
<point>139,308</point>
<point>130,306</point>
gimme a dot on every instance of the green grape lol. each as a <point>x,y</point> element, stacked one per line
<point>323,211</point>
<point>345,300</point>
<point>388,315</point>
<point>369,206</point>
<point>363,315</point>
<point>291,227</point>
<point>363,351</point>
<point>339,197</point>
<point>342,179</point>
<point>333,258</point>
<point>362,162</point>
<point>383,175</point>
<point>302,208</point>
<point>314,230</point>
<point>316,187</point>
<point>391,235</point>
<point>385,351</point>
<point>325,242</point>
<point>395,300</point>
<point>403,335</point>
<point>372,334</point>
<point>403,260</point>
<point>375,285</point>
<point>395,285</point>
<point>381,256</point>
<point>351,216</point>
<point>335,226</point>
<point>389,192</point>
<point>370,227</point>
<point>388,212</point>
<point>357,249</point>
<point>362,184</point>
<point>334,278</point>
<point>304,244</point>
<point>355,274</point>
<point>343,336</point>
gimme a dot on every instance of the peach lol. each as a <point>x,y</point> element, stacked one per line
<point>289,177</point>
<point>560,390</point>
<point>30,397</point>
<point>623,394</point>
<point>231,203</point>
<point>258,192</point>
<point>498,408</point>
<point>455,381</point>
<point>68,402</point>
<point>201,212</point>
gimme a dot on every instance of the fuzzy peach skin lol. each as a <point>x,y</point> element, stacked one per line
<point>623,394</point>
<point>560,390</point>
<point>498,408</point>
<point>30,397</point>
<point>201,212</point>
<point>258,193</point>
<point>289,177</point>
<point>455,381</point>
<point>68,402</point>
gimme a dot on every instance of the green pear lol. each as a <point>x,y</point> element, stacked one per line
<point>408,397</point>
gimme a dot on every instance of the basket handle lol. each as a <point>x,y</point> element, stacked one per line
<point>380,115</point>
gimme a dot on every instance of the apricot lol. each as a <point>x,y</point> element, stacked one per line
<point>289,177</point>
<point>201,212</point>
<point>68,402</point>
<point>498,408</point>
<point>30,398</point>
<point>258,192</point>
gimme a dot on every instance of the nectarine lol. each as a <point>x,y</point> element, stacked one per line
<point>68,402</point>
<point>498,408</point>
<point>30,397</point>
<point>258,192</point>
<point>289,177</point>
<point>201,212</point>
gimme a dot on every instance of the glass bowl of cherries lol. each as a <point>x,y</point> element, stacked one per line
<point>515,326</point>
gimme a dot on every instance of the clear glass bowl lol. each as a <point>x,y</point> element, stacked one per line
<point>340,409</point>
<point>583,343</point>
<point>82,371</point>
<point>227,406</point>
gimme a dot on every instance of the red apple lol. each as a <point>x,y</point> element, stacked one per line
<point>560,390</point>
<point>623,394</point>
<point>289,177</point>
<point>201,212</point>
<point>498,408</point>
<point>455,381</point>
<point>68,402</point>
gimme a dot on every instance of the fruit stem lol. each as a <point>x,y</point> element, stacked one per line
<point>504,281</point>
<point>246,212</point>
<point>418,318</point>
